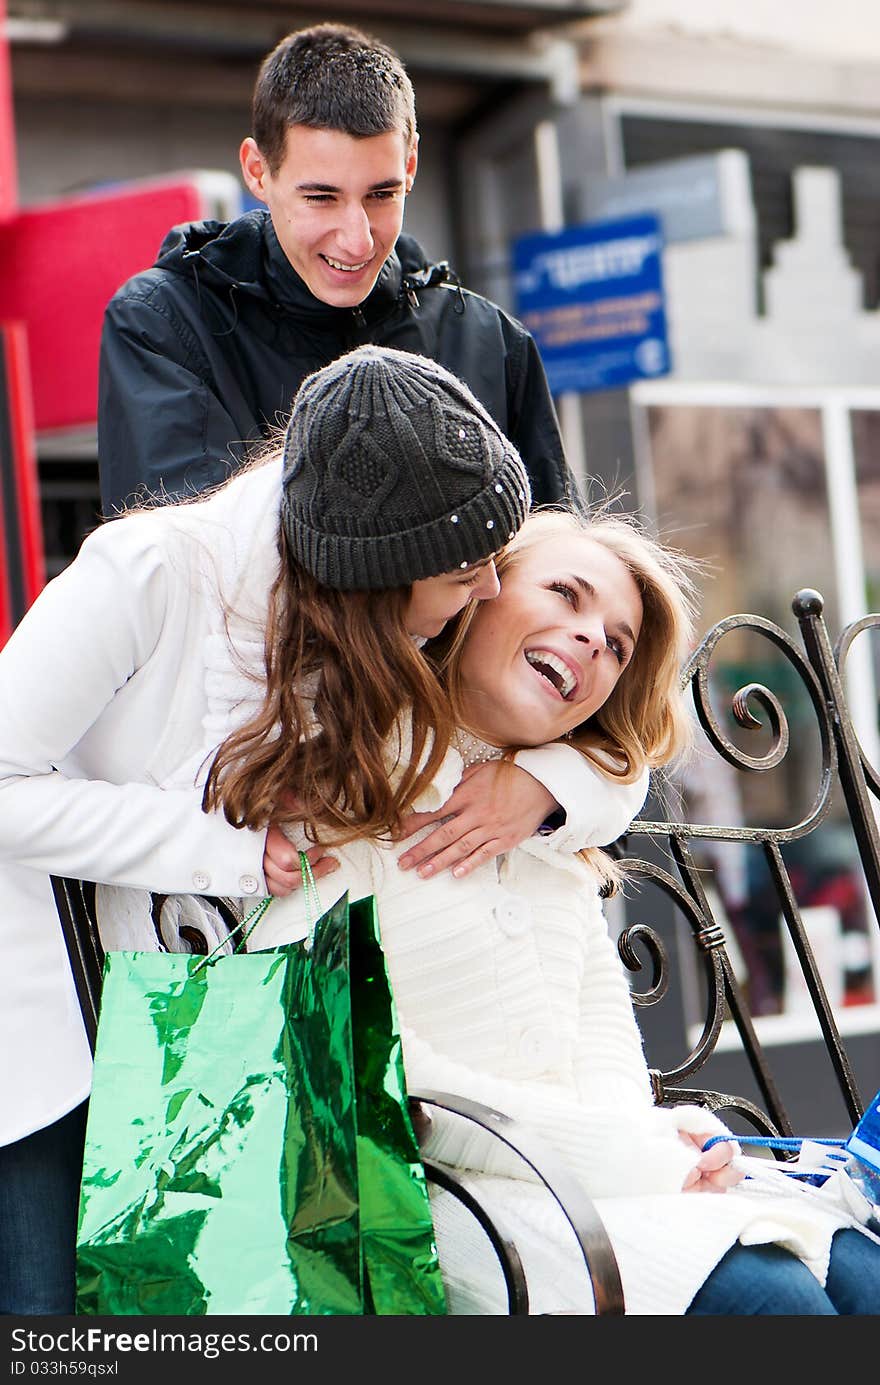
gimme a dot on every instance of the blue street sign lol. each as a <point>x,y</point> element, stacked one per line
<point>592,297</point>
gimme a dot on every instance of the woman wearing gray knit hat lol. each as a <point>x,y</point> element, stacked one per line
<point>397,491</point>
<point>394,472</point>
<point>205,673</point>
<point>311,577</point>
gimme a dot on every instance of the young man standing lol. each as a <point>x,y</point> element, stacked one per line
<point>202,354</point>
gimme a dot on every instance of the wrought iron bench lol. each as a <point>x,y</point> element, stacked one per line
<point>669,874</point>
<point>665,857</point>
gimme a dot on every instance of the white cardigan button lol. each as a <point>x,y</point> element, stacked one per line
<point>248,884</point>
<point>537,1047</point>
<point>513,915</point>
<point>201,881</point>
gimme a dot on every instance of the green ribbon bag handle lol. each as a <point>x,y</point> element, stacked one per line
<point>246,926</point>
<point>312,898</point>
<point>248,923</point>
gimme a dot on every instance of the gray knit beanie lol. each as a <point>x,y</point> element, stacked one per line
<point>393,472</point>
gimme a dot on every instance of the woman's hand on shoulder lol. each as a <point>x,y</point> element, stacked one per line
<point>281,865</point>
<point>494,808</point>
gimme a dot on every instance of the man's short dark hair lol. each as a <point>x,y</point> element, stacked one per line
<point>330,77</point>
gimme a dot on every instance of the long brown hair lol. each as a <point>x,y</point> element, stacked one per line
<point>340,670</point>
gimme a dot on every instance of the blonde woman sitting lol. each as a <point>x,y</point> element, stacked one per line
<point>509,989</point>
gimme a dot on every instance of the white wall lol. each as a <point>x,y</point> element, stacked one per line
<point>803,55</point>
<point>813,329</point>
<point>844,28</point>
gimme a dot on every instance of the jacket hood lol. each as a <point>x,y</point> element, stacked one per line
<point>245,255</point>
<point>229,252</point>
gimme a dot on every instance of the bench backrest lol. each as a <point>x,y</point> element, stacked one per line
<point>676,855</point>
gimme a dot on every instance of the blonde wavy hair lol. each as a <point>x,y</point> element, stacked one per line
<point>645,722</point>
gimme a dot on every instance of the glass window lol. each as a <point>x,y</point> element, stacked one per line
<point>743,487</point>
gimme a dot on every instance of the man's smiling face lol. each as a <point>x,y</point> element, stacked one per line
<point>336,204</point>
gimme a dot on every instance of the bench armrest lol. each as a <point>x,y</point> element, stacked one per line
<point>579,1210</point>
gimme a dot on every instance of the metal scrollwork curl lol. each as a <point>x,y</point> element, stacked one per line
<point>709,941</point>
<point>724,1105</point>
<point>755,707</point>
<point>640,933</point>
<point>777,718</point>
<point>841,651</point>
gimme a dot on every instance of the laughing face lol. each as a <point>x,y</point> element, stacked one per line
<point>548,651</point>
<point>336,204</point>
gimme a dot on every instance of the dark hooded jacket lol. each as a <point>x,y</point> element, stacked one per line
<point>202,354</point>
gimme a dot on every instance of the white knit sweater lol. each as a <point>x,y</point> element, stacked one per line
<point>509,990</point>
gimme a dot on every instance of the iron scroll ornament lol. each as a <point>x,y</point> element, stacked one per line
<point>840,653</point>
<point>756,696</point>
<point>753,707</point>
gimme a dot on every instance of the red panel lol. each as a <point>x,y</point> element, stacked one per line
<point>7,620</point>
<point>22,567</point>
<point>61,263</point>
<point>24,462</point>
<point>8,166</point>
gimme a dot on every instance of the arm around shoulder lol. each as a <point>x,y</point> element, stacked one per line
<point>597,808</point>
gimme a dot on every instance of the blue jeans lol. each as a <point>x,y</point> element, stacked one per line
<point>39,1196</point>
<point>768,1279</point>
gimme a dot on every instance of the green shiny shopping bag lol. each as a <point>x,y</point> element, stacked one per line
<point>397,1235</point>
<point>224,1170</point>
